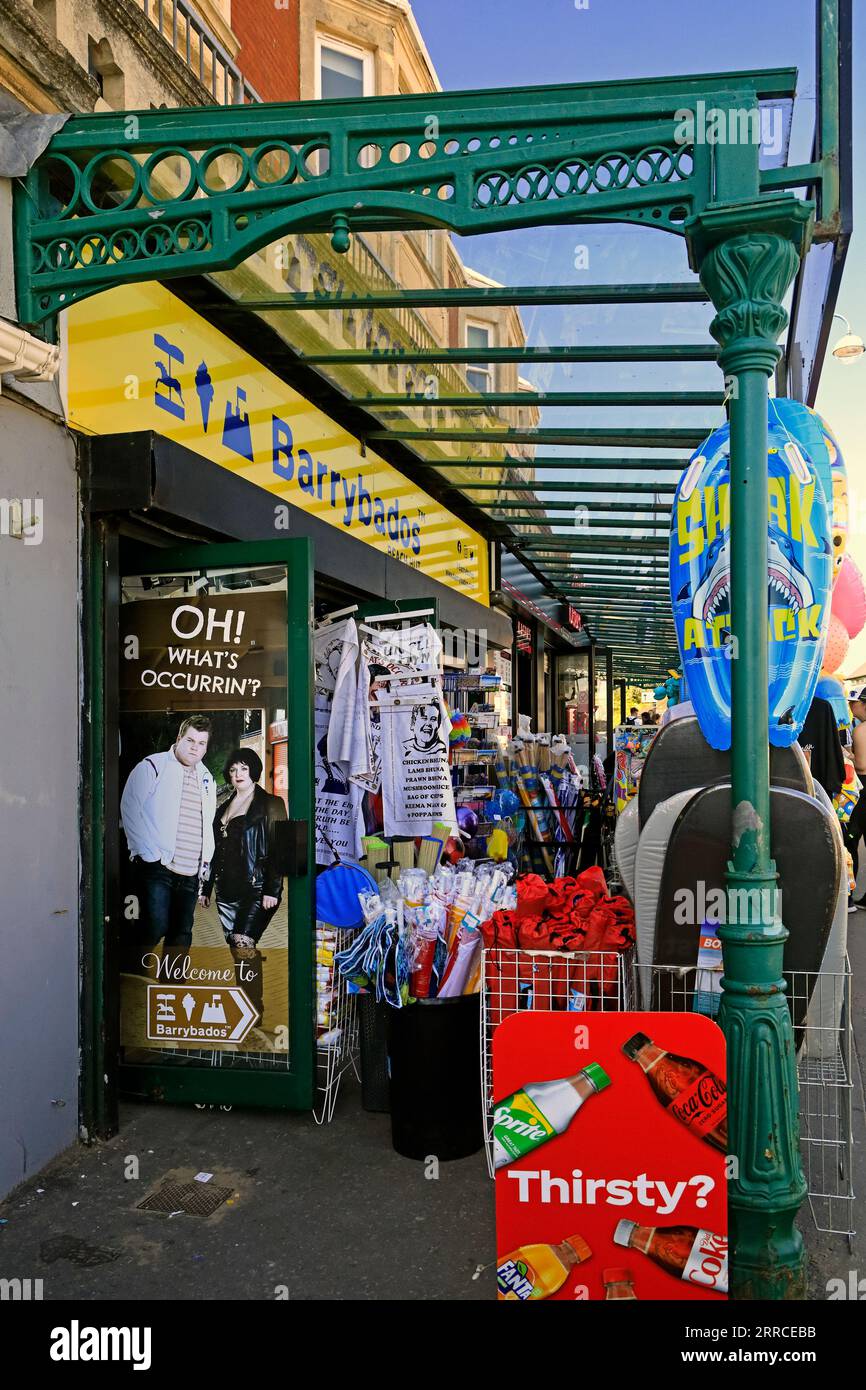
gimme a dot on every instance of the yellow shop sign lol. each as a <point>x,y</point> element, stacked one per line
<point>140,359</point>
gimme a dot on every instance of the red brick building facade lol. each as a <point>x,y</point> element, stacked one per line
<point>269,55</point>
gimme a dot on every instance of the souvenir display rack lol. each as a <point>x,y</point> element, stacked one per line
<point>337,1046</point>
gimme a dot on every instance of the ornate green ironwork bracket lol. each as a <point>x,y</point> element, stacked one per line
<point>152,194</point>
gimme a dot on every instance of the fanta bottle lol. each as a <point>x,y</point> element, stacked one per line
<point>537,1271</point>
<point>540,1111</point>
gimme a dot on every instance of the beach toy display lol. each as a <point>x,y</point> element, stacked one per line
<point>421,937</point>
<point>802,532</point>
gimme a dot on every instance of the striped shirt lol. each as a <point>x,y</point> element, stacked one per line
<point>187,845</point>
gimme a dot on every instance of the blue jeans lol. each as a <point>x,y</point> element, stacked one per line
<point>169,906</point>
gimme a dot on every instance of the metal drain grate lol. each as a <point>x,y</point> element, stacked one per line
<point>191,1198</point>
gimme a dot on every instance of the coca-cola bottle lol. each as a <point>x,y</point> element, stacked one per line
<point>618,1284</point>
<point>698,1257</point>
<point>692,1093</point>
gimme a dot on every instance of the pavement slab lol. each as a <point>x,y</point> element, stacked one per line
<point>318,1212</point>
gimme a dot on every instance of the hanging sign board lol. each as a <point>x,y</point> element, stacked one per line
<point>609,1131</point>
<point>572,618</point>
<point>140,359</point>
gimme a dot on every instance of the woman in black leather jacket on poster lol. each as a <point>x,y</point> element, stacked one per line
<point>245,869</point>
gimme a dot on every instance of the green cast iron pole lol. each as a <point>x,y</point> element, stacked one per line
<point>747,255</point>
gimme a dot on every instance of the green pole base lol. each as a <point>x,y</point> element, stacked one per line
<point>767,1187</point>
<point>768,1256</point>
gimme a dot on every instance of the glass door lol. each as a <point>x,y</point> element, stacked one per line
<point>214,888</point>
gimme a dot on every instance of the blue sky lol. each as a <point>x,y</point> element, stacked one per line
<point>521,43</point>
<point>507,43</point>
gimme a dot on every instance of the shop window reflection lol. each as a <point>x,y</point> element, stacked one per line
<point>572,702</point>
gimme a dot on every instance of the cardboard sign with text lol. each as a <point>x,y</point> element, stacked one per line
<point>609,1133</point>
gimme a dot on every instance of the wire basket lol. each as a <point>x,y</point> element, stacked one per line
<point>517,981</point>
<point>820,1001</point>
<point>826,1096</point>
<point>337,1044</point>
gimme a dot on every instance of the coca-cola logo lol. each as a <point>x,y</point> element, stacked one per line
<point>704,1096</point>
<point>708,1262</point>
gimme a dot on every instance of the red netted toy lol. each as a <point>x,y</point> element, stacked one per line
<point>573,914</point>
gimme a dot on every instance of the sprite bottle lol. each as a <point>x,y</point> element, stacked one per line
<point>540,1111</point>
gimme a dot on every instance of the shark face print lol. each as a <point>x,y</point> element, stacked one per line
<point>799,577</point>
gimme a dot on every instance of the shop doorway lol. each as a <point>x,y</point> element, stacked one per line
<point>213,934</point>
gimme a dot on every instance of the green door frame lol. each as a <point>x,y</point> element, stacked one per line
<point>294,1088</point>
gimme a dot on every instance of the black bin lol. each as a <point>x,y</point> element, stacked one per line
<point>435,1052</point>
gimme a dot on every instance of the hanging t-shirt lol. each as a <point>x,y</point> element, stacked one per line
<point>416,779</point>
<point>339,817</point>
<point>336,651</point>
<point>366,766</point>
<point>405,651</point>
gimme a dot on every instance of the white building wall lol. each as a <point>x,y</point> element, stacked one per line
<point>40,707</point>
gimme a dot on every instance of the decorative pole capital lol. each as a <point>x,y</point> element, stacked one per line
<point>747,255</point>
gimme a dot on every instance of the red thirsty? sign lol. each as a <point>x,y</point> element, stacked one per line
<point>609,1136</point>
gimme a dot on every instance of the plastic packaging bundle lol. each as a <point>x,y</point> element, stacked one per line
<point>461,961</point>
<point>326,941</point>
<point>421,937</point>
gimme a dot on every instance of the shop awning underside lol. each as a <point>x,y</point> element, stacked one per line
<point>574,471</point>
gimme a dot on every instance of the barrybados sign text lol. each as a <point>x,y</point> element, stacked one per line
<point>141,359</point>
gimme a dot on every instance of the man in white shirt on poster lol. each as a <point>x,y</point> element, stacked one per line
<point>167,811</point>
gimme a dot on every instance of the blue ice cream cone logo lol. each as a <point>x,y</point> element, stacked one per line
<point>205,392</point>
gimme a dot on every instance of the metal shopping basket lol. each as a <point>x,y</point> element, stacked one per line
<point>821,1003</point>
<point>517,981</point>
<point>337,1043</point>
